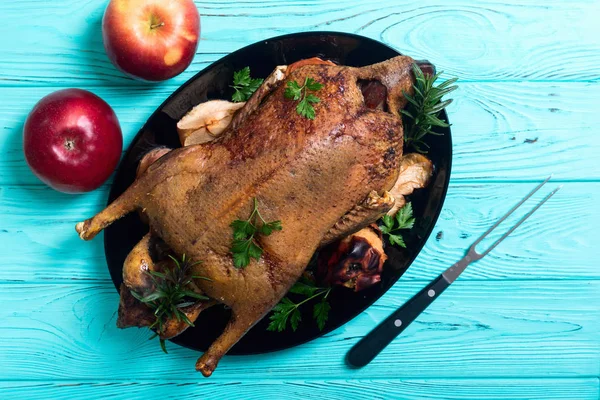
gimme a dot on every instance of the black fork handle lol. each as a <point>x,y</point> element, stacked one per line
<point>375,341</point>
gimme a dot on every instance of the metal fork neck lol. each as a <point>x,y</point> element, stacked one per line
<point>457,268</point>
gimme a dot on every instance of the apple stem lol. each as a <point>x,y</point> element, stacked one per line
<point>154,26</point>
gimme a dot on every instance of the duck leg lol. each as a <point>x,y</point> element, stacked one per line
<point>124,204</point>
<point>240,322</point>
<point>150,255</point>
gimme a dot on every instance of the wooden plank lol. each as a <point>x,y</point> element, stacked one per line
<point>520,131</point>
<point>476,329</point>
<point>372,389</point>
<point>501,40</point>
<point>489,337</point>
<point>492,124</point>
<point>49,248</point>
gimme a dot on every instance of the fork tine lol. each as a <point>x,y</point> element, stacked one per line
<point>538,187</point>
<point>515,226</point>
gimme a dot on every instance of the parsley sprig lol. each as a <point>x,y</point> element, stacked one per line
<point>287,310</point>
<point>244,85</point>
<point>296,92</point>
<point>391,225</point>
<point>421,115</point>
<point>171,294</point>
<point>244,244</point>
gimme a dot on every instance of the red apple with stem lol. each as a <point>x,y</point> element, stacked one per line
<point>151,40</point>
<point>72,140</point>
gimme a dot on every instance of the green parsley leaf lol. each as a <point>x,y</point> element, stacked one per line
<point>254,251</point>
<point>388,221</point>
<point>239,235</point>
<point>242,229</point>
<point>238,97</point>
<point>404,217</point>
<point>403,220</point>
<point>311,98</point>
<point>267,229</point>
<point>287,309</point>
<point>293,91</point>
<point>244,246</point>
<point>241,260</point>
<point>296,92</point>
<point>240,245</point>
<point>305,109</point>
<point>303,289</point>
<point>312,85</point>
<point>244,85</point>
<point>295,319</point>
<point>397,240</point>
<point>254,85</point>
<point>242,77</point>
<point>280,315</point>
<point>321,313</point>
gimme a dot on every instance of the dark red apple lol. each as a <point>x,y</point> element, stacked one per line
<point>151,40</point>
<point>72,140</point>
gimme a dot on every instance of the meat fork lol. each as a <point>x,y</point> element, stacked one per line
<point>375,341</point>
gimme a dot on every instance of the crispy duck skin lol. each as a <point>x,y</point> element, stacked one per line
<point>309,174</point>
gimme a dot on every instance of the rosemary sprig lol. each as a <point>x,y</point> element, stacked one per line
<point>296,92</point>
<point>421,114</point>
<point>391,225</point>
<point>170,295</point>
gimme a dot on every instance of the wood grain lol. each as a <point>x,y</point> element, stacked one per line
<point>371,389</point>
<point>492,124</point>
<point>520,131</point>
<point>50,250</point>
<point>483,40</point>
<point>513,329</point>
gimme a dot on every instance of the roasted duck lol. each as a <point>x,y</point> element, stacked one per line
<point>323,178</point>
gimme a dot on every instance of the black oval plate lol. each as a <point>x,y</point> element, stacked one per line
<point>213,83</point>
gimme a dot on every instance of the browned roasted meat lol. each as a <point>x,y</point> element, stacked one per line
<point>355,262</point>
<point>323,179</point>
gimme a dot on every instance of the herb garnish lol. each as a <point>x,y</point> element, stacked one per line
<point>296,92</point>
<point>170,295</point>
<point>244,85</point>
<point>403,220</point>
<point>288,310</point>
<point>244,245</point>
<point>421,114</point>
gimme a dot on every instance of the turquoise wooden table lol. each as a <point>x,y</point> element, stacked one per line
<point>522,323</point>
